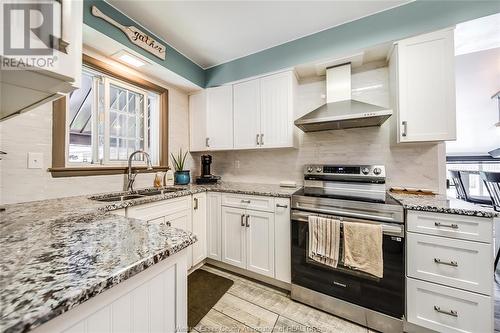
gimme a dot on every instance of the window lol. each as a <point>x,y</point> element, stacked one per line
<point>110,116</point>
<point>109,120</point>
<point>476,185</point>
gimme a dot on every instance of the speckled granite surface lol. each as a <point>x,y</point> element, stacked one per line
<point>56,254</point>
<point>443,204</point>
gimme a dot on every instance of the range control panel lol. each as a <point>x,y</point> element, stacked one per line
<point>346,170</point>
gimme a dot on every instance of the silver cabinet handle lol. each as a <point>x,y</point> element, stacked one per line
<point>245,201</point>
<point>248,223</point>
<point>281,206</point>
<point>405,128</point>
<point>206,142</point>
<point>452,313</point>
<point>343,285</point>
<point>262,139</point>
<point>448,263</point>
<point>242,220</point>
<point>195,203</point>
<point>452,226</point>
<point>257,139</point>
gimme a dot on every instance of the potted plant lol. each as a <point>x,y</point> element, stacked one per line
<point>181,176</point>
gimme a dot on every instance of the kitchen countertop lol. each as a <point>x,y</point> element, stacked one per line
<point>58,253</point>
<point>443,204</point>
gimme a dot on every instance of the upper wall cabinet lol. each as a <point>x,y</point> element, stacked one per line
<point>55,73</point>
<point>263,112</point>
<point>211,119</point>
<point>248,115</point>
<point>422,73</point>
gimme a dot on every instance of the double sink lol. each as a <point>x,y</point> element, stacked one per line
<point>136,194</point>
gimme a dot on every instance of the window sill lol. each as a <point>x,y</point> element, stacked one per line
<point>99,171</point>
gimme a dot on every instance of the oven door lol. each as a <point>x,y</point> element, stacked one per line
<point>384,295</point>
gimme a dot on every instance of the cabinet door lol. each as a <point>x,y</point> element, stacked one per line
<point>197,122</point>
<point>199,222</point>
<point>220,117</point>
<point>426,75</point>
<point>214,230</point>
<point>282,236</point>
<point>233,236</point>
<point>276,120</point>
<point>246,114</point>
<point>260,242</point>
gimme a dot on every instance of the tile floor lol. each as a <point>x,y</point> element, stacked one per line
<point>252,307</point>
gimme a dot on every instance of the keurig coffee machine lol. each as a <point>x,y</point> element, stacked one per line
<point>206,177</point>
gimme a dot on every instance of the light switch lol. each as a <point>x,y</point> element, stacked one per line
<point>35,160</point>
<point>237,164</point>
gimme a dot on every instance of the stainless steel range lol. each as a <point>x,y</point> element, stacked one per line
<point>351,193</point>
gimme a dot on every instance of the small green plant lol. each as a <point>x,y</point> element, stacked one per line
<point>179,160</point>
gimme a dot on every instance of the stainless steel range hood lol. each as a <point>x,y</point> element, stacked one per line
<point>340,111</point>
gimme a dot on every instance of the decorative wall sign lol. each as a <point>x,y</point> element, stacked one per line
<point>135,35</point>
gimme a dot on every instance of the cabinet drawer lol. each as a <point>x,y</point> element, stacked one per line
<point>446,309</point>
<point>159,208</point>
<point>478,229</point>
<point>248,202</point>
<point>452,262</point>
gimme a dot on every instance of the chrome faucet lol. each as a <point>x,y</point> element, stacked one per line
<point>132,175</point>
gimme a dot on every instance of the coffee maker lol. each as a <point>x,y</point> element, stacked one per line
<point>206,177</point>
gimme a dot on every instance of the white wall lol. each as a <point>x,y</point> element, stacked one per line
<point>408,165</point>
<point>477,79</point>
<point>32,132</point>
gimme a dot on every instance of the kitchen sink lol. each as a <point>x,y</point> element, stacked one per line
<point>136,195</point>
<point>119,197</point>
<point>156,192</point>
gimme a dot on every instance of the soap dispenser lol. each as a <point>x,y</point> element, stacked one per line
<point>168,180</point>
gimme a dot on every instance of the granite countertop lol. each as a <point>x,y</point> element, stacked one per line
<point>58,253</point>
<point>443,204</point>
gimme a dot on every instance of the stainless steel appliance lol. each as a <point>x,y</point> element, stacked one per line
<point>353,193</point>
<point>340,111</point>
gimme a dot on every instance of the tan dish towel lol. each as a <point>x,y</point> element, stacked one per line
<point>324,240</point>
<point>363,247</point>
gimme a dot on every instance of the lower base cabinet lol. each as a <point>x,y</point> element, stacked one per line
<point>153,301</point>
<point>446,309</point>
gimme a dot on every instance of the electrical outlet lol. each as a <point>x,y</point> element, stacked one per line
<point>35,160</point>
<point>237,164</point>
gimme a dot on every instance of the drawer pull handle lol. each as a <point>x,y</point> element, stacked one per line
<point>343,285</point>
<point>452,313</point>
<point>452,226</point>
<point>281,206</point>
<point>242,220</point>
<point>449,263</point>
<point>245,201</point>
<point>168,223</point>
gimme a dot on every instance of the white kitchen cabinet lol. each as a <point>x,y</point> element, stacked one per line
<point>27,89</point>
<point>199,223</point>
<point>154,300</point>
<point>214,228</point>
<point>282,244</point>
<point>277,103</point>
<point>247,114</point>
<point>422,83</point>
<point>197,121</point>
<point>219,118</point>
<point>233,236</point>
<point>260,242</point>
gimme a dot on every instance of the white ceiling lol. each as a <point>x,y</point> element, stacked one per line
<point>214,32</point>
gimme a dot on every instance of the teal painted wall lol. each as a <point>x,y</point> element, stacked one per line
<point>400,22</point>
<point>174,61</point>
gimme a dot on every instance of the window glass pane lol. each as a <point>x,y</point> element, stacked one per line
<point>80,122</point>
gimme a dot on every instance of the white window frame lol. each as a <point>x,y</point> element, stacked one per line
<point>107,81</point>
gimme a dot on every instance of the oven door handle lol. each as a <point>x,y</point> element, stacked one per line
<point>352,214</point>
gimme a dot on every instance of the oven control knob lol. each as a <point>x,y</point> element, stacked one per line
<point>318,169</point>
<point>377,171</point>
<point>365,171</point>
<point>309,169</point>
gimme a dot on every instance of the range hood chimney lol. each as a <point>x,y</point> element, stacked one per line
<point>340,111</point>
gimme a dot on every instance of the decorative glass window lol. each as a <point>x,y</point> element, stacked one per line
<point>110,119</point>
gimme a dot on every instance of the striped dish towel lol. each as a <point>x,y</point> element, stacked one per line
<point>324,240</point>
